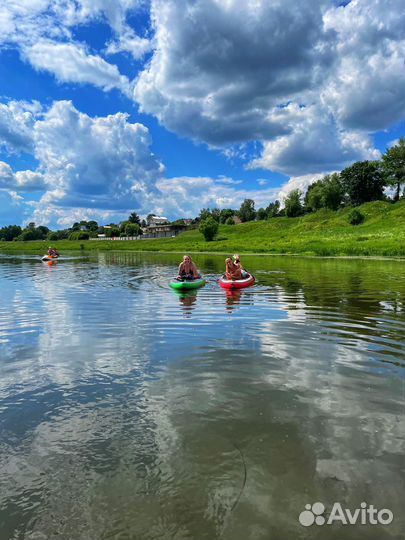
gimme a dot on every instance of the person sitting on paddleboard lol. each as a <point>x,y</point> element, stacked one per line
<point>237,264</point>
<point>231,270</point>
<point>52,252</point>
<point>187,269</point>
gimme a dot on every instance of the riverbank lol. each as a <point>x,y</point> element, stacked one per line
<point>324,233</point>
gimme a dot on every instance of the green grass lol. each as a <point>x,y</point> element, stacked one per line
<point>324,233</point>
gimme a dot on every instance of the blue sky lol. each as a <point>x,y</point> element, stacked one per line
<point>169,106</point>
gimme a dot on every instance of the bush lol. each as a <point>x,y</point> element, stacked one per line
<point>79,235</point>
<point>209,228</point>
<point>230,221</point>
<point>27,235</point>
<point>356,217</point>
<point>52,236</point>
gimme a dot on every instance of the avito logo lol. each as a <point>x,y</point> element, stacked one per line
<point>365,515</point>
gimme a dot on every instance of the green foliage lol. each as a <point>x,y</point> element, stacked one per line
<point>209,228</point>
<point>273,209</point>
<point>132,229</point>
<point>393,167</point>
<point>226,213</point>
<point>261,214</point>
<point>134,218</point>
<point>247,210</point>
<point>325,193</point>
<point>79,235</point>
<point>112,232</point>
<point>355,217</point>
<point>216,214</point>
<point>52,236</point>
<point>363,182</point>
<point>324,233</point>
<point>10,232</point>
<point>229,221</point>
<point>292,204</point>
<point>28,234</point>
<point>204,214</point>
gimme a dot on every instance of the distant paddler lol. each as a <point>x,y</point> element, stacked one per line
<point>53,253</point>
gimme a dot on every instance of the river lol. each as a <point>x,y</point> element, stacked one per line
<point>128,410</point>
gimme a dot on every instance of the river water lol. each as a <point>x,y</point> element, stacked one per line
<point>130,411</point>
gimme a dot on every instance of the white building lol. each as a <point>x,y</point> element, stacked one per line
<point>157,220</point>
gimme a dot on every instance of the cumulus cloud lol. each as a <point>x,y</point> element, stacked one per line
<point>17,119</point>
<point>42,31</point>
<point>222,73</point>
<point>366,90</point>
<point>21,180</point>
<point>218,67</point>
<point>116,166</point>
<point>313,145</point>
<point>70,62</point>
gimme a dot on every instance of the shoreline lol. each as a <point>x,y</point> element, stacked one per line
<point>397,258</point>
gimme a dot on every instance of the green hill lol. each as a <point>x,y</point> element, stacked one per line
<point>324,233</point>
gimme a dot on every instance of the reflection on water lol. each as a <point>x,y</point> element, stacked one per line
<point>129,410</point>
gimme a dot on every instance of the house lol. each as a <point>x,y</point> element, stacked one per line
<point>155,221</point>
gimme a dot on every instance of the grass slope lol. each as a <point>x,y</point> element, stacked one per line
<point>323,233</point>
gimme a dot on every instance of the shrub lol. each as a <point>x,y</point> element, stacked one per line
<point>356,217</point>
<point>209,228</point>
<point>230,221</point>
<point>79,235</point>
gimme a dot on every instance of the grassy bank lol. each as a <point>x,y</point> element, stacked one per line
<point>324,233</point>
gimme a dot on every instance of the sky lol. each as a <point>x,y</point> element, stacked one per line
<point>171,106</point>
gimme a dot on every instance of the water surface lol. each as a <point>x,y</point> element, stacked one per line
<point>128,410</point>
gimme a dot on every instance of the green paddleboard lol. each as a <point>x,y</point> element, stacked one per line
<point>186,284</point>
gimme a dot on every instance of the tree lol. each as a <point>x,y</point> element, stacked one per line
<point>92,225</point>
<point>10,232</point>
<point>216,214</point>
<point>204,214</point>
<point>363,182</point>
<point>273,209</point>
<point>292,204</point>
<point>332,195</point>
<point>134,218</point>
<point>226,213</point>
<point>113,231</point>
<point>261,214</point>
<point>230,221</point>
<point>209,228</point>
<point>247,210</point>
<point>325,193</point>
<point>27,234</point>
<point>132,229</point>
<point>393,167</point>
<point>313,197</point>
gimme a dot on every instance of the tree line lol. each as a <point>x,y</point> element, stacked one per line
<point>364,181</point>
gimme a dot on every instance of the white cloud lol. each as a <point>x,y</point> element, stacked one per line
<point>366,89</point>
<point>42,32</point>
<point>70,62</point>
<point>219,67</point>
<point>16,123</point>
<point>21,180</point>
<point>313,145</point>
<point>222,72</point>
